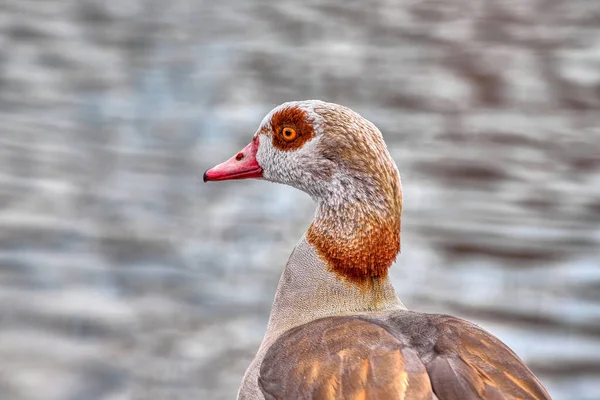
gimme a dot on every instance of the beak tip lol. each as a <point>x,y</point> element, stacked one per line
<point>204,177</point>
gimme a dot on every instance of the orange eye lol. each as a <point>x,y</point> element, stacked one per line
<point>288,134</point>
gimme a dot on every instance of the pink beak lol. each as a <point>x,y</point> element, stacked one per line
<point>241,166</point>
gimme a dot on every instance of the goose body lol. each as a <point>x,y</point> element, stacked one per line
<point>337,329</point>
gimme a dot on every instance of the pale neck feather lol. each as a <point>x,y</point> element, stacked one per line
<point>308,291</point>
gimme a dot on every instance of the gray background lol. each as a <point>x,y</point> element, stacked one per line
<point>122,276</point>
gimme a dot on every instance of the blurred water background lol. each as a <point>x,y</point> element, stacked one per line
<point>122,276</point>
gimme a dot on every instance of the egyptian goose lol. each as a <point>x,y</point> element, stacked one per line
<point>337,330</point>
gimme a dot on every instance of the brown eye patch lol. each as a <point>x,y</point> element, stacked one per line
<point>291,129</point>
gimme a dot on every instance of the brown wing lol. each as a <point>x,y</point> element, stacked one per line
<point>462,360</point>
<point>470,363</point>
<point>342,358</point>
<point>406,355</point>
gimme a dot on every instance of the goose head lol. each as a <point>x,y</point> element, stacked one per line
<point>340,159</point>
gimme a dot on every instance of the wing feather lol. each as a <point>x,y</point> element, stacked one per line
<point>342,358</point>
<point>408,356</point>
<point>495,369</point>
